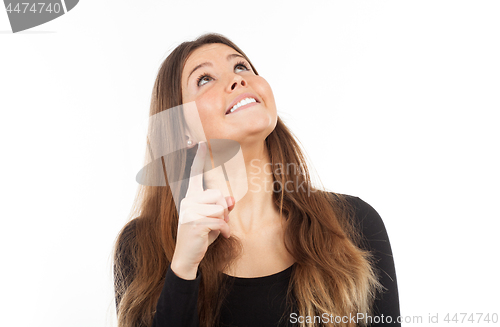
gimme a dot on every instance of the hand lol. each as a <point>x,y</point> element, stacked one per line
<point>203,215</point>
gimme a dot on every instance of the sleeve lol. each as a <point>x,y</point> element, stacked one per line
<point>386,310</point>
<point>177,305</point>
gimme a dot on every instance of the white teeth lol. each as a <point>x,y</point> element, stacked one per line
<point>242,103</point>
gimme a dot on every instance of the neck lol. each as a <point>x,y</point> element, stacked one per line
<point>254,208</point>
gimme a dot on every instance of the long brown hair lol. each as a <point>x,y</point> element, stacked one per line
<point>332,274</point>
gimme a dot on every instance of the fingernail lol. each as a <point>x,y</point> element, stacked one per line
<point>230,201</point>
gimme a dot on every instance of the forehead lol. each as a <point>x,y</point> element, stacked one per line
<point>206,53</point>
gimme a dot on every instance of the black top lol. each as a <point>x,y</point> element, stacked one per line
<point>260,301</point>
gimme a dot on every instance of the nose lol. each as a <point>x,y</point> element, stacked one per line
<point>237,82</point>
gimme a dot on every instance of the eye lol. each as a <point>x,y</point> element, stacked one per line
<point>203,78</point>
<point>241,64</point>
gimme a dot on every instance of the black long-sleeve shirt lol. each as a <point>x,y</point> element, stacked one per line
<point>260,301</point>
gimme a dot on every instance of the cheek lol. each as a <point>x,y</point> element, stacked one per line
<point>208,105</point>
<point>210,110</point>
<point>268,97</point>
<point>263,87</point>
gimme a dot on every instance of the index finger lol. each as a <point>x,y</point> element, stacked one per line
<point>196,175</point>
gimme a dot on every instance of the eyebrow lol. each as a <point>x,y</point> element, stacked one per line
<point>229,57</point>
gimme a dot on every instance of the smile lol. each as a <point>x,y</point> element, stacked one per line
<point>242,103</point>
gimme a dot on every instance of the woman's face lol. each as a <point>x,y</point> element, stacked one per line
<point>217,78</point>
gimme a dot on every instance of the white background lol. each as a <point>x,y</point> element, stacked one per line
<point>394,101</point>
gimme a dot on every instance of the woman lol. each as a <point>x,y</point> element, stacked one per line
<point>289,253</point>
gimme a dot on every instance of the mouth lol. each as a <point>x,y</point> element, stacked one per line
<point>241,102</point>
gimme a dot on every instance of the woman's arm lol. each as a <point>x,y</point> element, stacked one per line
<point>177,304</point>
<point>376,240</point>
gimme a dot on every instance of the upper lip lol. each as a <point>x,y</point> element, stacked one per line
<point>239,98</point>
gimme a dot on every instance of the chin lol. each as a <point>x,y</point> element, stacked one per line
<point>257,128</point>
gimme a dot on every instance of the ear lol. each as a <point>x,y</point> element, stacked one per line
<point>189,141</point>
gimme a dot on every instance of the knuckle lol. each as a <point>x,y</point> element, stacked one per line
<point>196,226</point>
